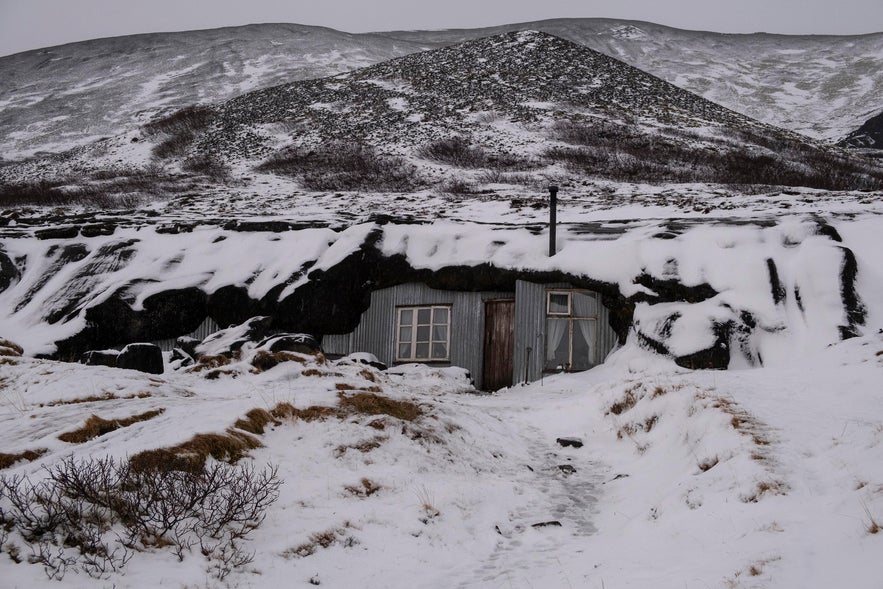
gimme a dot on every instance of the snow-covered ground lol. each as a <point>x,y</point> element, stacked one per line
<point>765,477</point>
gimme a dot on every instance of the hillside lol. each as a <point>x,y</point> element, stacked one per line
<point>518,109</point>
<point>55,98</point>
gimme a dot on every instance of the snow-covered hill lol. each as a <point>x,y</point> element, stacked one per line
<point>52,99</point>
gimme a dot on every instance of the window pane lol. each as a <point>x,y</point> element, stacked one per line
<point>559,303</point>
<point>423,333</point>
<point>404,350</point>
<point>424,316</point>
<point>406,317</point>
<point>439,351</point>
<point>422,352</point>
<point>583,340</point>
<point>405,334</point>
<point>557,344</point>
<point>584,305</point>
<point>440,333</point>
<point>440,316</point>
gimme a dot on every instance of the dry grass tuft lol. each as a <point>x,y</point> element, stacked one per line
<point>366,489</point>
<point>319,540</point>
<point>341,386</point>
<point>312,372</point>
<point>658,392</point>
<point>7,460</point>
<point>873,526</point>
<point>367,375</point>
<point>255,421</point>
<point>364,447</point>
<point>628,401</point>
<point>8,348</point>
<point>96,426</point>
<point>95,398</point>
<point>209,362</point>
<point>367,403</point>
<point>190,456</point>
<point>765,488</point>
<point>264,360</point>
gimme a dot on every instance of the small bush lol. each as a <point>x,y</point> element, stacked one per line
<point>206,165</point>
<point>89,515</point>
<point>455,151</point>
<point>191,118</point>
<point>344,166</point>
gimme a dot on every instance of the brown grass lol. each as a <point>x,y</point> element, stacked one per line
<point>264,360</point>
<point>342,386</point>
<point>364,446</point>
<point>366,489</point>
<point>7,460</point>
<point>367,375</point>
<point>8,348</point>
<point>255,421</point>
<point>628,401</point>
<point>95,398</point>
<point>367,403</point>
<point>319,540</point>
<point>97,426</point>
<point>765,488</point>
<point>191,455</point>
<point>658,392</point>
<point>209,362</point>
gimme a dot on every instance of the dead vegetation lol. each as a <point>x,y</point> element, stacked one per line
<point>191,456</point>
<point>324,539</point>
<point>264,360</point>
<point>7,460</point>
<point>97,426</point>
<point>95,398</point>
<point>365,488</point>
<point>628,400</point>
<point>8,348</point>
<point>364,446</point>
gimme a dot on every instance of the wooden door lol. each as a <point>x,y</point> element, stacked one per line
<point>499,343</point>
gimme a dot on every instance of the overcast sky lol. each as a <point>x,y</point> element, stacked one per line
<point>30,24</point>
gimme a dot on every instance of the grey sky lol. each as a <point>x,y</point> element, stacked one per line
<point>30,24</point>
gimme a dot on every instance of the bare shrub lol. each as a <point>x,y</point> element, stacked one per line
<point>455,151</point>
<point>344,166</point>
<point>82,505</point>
<point>208,165</point>
<point>190,118</point>
<point>458,186</point>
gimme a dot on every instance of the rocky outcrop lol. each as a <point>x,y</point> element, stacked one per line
<point>141,357</point>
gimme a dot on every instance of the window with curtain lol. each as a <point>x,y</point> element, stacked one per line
<point>423,334</point>
<point>571,330</point>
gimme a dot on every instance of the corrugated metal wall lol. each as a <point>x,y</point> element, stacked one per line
<point>205,329</point>
<point>530,330</point>
<point>376,330</point>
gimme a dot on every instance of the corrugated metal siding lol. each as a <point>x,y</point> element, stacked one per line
<point>205,329</point>
<point>376,331</point>
<point>530,328</point>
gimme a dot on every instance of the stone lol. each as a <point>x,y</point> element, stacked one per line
<point>143,357</point>
<point>302,343</point>
<point>570,442</point>
<point>100,358</point>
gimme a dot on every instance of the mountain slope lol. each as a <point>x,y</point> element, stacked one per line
<point>54,98</point>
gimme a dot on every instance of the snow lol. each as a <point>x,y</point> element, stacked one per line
<point>458,503</point>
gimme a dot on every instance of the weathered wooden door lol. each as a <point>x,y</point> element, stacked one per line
<point>499,343</point>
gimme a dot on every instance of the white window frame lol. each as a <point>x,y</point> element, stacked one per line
<point>413,340</point>
<point>566,313</point>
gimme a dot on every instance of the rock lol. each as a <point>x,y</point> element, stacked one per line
<point>567,469</point>
<point>187,345</point>
<point>570,442</point>
<point>180,358</point>
<point>549,524</point>
<point>227,341</point>
<point>142,357</point>
<point>8,271</point>
<point>100,358</point>
<point>302,343</point>
<point>57,232</point>
<point>363,358</point>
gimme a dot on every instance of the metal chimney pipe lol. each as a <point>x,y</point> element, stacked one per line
<point>553,217</point>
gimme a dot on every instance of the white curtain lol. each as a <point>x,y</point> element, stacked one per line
<point>584,305</point>
<point>555,330</point>
<point>587,330</point>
